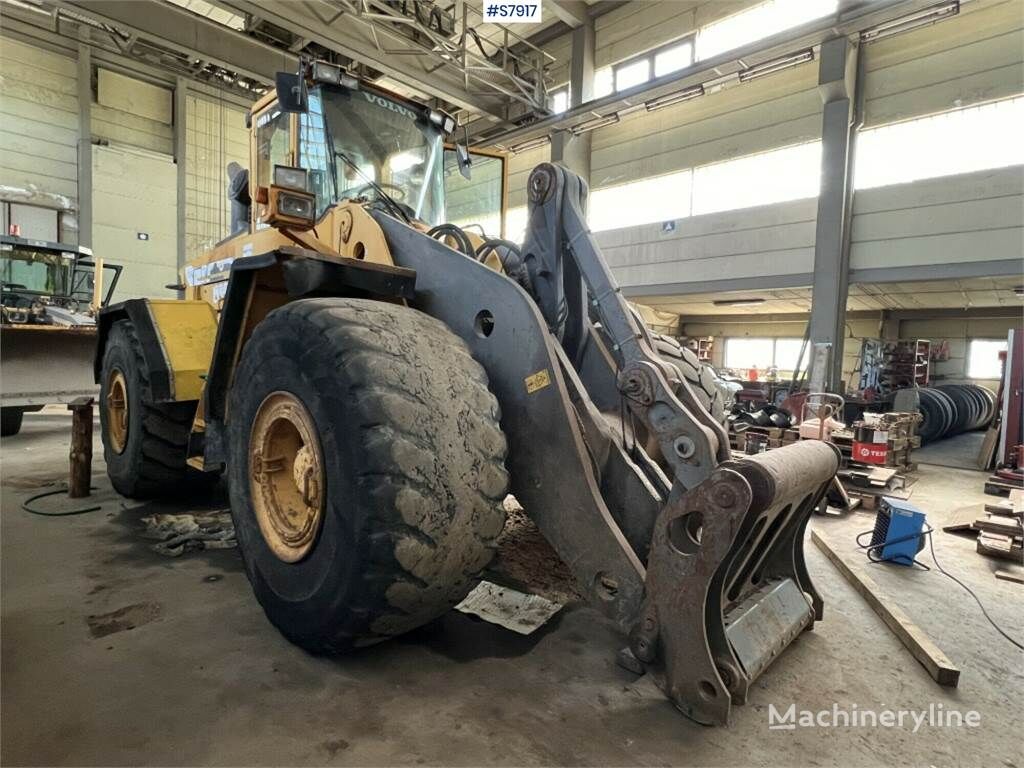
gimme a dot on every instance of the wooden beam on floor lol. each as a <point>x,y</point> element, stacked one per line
<point>939,666</point>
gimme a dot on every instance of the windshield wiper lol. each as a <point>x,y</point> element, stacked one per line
<point>384,196</point>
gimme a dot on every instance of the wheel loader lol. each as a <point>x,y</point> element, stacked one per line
<point>373,382</point>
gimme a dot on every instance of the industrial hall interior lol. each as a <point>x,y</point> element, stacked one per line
<point>512,383</point>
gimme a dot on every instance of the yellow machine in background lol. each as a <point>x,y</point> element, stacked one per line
<point>372,381</point>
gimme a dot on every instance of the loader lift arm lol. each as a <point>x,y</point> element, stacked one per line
<point>726,550</point>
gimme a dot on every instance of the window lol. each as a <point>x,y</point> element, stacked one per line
<point>661,198</point>
<point>757,23</point>
<point>983,358</point>
<point>744,353</point>
<point>603,82</point>
<point>787,352</point>
<point>784,174</point>
<point>673,59</point>
<point>632,74</point>
<point>559,101</point>
<point>272,144</point>
<point>313,152</point>
<point>961,141</point>
<point>474,203</point>
<point>515,224</point>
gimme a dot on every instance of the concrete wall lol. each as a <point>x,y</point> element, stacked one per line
<point>773,240</point>
<point>777,111</point>
<point>39,131</point>
<point>947,220</point>
<point>964,61</point>
<point>133,113</point>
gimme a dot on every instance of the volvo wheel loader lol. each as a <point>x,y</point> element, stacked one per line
<point>373,382</point>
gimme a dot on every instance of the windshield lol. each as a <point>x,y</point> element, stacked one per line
<point>38,271</point>
<point>361,144</point>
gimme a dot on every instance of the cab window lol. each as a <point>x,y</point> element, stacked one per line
<point>475,203</point>
<point>272,144</point>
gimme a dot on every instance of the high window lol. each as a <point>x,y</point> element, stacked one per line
<point>983,358</point>
<point>961,141</point>
<point>745,353</point>
<point>758,22</point>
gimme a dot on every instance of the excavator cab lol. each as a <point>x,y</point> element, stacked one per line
<point>372,381</point>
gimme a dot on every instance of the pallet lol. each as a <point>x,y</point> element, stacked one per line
<point>998,486</point>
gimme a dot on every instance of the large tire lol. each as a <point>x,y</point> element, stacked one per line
<point>697,374</point>
<point>413,463</point>
<point>152,460</point>
<point>10,420</point>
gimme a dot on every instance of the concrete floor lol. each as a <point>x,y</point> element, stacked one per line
<point>114,655</point>
<point>960,451</point>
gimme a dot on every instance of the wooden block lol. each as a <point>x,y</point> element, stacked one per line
<point>1003,508</point>
<point>1003,526</point>
<point>963,520</point>
<point>931,657</point>
<point>997,545</point>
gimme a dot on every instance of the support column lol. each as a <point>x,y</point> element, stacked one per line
<point>574,151</point>
<point>84,140</point>
<point>180,144</point>
<point>836,83</point>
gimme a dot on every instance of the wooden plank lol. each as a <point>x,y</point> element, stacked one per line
<point>1016,578</point>
<point>1006,526</point>
<point>931,657</point>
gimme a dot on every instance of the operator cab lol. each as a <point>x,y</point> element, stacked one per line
<point>334,138</point>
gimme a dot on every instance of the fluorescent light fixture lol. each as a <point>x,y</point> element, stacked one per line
<point>737,302</point>
<point>1018,290</point>
<point>776,65</point>
<point>675,98</point>
<point>911,21</point>
<point>526,146</point>
<point>597,122</point>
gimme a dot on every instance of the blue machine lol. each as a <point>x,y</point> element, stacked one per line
<point>898,534</point>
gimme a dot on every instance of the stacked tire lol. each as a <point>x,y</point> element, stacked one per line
<point>951,409</point>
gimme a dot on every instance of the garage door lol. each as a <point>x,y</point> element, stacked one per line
<point>135,195</point>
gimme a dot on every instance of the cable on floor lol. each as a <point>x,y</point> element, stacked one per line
<point>60,513</point>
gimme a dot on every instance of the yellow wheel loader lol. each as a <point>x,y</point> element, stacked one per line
<point>373,382</point>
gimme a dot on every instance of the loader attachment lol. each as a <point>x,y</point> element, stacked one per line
<point>727,587</point>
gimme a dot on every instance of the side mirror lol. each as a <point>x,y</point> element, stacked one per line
<point>464,160</point>
<point>291,92</point>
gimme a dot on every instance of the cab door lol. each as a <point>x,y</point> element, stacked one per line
<point>477,204</point>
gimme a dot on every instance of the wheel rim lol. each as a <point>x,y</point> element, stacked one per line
<point>117,411</point>
<point>286,476</point>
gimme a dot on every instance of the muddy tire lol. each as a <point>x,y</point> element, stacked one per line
<point>697,374</point>
<point>413,463</point>
<point>10,420</point>
<point>147,456</point>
